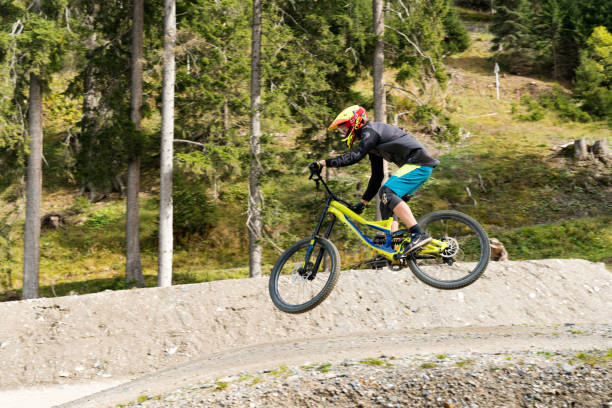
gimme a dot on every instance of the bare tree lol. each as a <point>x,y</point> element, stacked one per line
<point>133,267</point>
<point>31,234</point>
<point>378,74</point>
<point>31,241</point>
<point>164,275</point>
<point>255,196</point>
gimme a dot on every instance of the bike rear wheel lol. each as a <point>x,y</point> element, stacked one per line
<point>463,261</point>
<point>298,282</point>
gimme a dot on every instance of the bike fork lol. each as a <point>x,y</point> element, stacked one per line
<point>315,268</point>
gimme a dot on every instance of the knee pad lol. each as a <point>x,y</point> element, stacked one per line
<point>388,201</point>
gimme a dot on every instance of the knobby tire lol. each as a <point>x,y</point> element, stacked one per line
<point>481,265</point>
<point>331,258</point>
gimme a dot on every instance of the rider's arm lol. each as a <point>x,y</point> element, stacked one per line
<point>375,179</point>
<point>369,140</point>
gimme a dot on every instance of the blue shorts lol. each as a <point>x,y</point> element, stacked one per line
<point>404,181</point>
<point>408,178</point>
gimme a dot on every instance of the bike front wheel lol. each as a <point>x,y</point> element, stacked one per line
<point>304,275</point>
<point>465,258</point>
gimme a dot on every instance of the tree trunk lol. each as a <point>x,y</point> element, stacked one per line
<point>31,235</point>
<point>164,276</point>
<point>225,121</point>
<point>378,63</point>
<point>91,101</point>
<point>133,267</point>
<point>255,197</point>
<point>580,149</point>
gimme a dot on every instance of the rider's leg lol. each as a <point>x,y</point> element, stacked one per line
<point>403,212</point>
<point>405,181</point>
<point>391,203</point>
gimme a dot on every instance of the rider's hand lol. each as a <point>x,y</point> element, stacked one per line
<point>358,208</point>
<point>315,167</point>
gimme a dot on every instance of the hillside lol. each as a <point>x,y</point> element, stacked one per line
<point>502,171</point>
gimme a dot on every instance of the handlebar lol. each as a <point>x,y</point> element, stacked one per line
<point>315,175</point>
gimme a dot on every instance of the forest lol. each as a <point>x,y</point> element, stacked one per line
<point>152,142</point>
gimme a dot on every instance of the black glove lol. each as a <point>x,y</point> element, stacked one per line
<point>358,208</point>
<point>315,168</point>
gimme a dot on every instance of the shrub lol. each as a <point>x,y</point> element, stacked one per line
<point>194,210</point>
<point>566,107</point>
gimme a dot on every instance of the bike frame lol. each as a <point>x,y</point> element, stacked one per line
<point>339,209</point>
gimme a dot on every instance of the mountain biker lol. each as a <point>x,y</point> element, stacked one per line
<point>382,141</point>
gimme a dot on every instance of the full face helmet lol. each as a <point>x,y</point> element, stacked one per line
<point>353,118</point>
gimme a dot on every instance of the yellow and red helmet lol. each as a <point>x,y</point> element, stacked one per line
<point>353,118</point>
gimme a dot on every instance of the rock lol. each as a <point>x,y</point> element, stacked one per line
<point>52,221</point>
<point>498,251</point>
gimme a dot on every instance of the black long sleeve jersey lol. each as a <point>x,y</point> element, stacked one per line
<point>382,141</point>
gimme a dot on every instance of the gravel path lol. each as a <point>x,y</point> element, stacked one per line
<point>533,379</point>
<point>238,371</point>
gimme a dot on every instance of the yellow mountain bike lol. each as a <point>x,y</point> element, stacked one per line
<point>305,274</point>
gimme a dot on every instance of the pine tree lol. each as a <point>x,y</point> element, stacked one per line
<point>594,75</point>
<point>514,40</point>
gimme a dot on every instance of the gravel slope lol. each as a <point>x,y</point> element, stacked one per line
<point>118,335</point>
<point>470,380</point>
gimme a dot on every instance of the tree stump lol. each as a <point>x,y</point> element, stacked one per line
<point>498,251</point>
<point>601,151</point>
<point>581,151</point>
<point>52,221</point>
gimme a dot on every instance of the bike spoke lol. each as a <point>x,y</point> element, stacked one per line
<point>294,286</point>
<point>460,258</point>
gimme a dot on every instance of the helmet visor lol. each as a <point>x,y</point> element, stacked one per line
<point>337,123</point>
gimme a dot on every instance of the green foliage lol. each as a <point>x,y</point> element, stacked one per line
<point>546,36</point>
<point>415,41</point>
<point>431,117</point>
<point>534,110</point>
<point>564,105</point>
<point>31,42</point>
<point>212,69</point>
<point>474,4</point>
<point>589,238</point>
<point>194,210</point>
<point>513,40</point>
<point>594,75</point>
<point>457,38</point>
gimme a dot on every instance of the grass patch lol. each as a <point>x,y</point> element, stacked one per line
<point>282,370</point>
<point>463,363</point>
<point>428,365</point>
<point>376,362</point>
<point>324,368</point>
<point>256,380</point>
<point>595,358</point>
<point>221,385</point>
<point>142,398</point>
<point>589,238</point>
<point>441,356</point>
